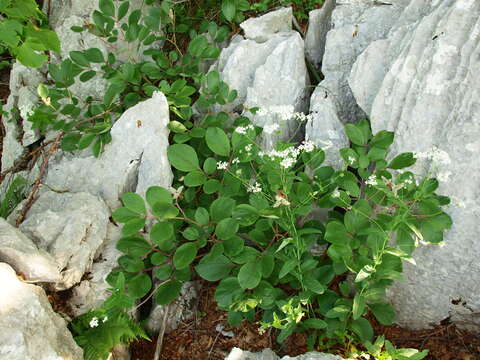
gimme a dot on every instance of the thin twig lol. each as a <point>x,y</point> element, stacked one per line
<point>161,333</point>
<point>36,185</point>
<point>24,160</point>
<point>213,345</point>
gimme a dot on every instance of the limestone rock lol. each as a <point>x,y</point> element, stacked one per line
<point>325,128</point>
<point>280,88</point>
<point>268,71</point>
<point>71,227</point>
<point>135,159</point>
<point>319,23</point>
<point>91,293</point>
<point>267,354</point>
<point>16,249</point>
<point>30,328</point>
<point>420,81</point>
<point>264,27</point>
<point>354,25</point>
<point>21,101</point>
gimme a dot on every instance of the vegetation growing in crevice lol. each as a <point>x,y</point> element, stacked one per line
<point>238,214</point>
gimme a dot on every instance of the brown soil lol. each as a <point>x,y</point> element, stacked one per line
<point>198,339</point>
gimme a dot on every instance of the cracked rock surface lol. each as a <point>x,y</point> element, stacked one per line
<point>135,159</point>
<point>30,328</point>
<point>71,228</point>
<point>421,82</point>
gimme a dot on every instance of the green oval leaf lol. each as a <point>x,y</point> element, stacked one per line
<point>168,291</point>
<point>229,9</point>
<point>402,161</point>
<point>139,285</point>
<point>226,228</point>
<point>183,157</point>
<point>162,234</point>
<point>195,178</point>
<point>135,203</point>
<point>250,275</point>
<point>356,135</point>
<point>184,255</point>
<point>217,141</point>
<point>133,226</point>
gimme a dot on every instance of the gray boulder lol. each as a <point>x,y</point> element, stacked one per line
<point>265,27</point>
<point>325,128</point>
<point>267,354</point>
<point>34,264</point>
<point>135,159</point>
<point>268,70</point>
<point>91,292</point>
<point>319,24</point>
<point>21,101</point>
<point>30,328</point>
<point>353,25</point>
<point>70,227</point>
<point>420,81</point>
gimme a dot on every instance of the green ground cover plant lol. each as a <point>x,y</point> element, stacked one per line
<point>24,32</point>
<point>286,237</point>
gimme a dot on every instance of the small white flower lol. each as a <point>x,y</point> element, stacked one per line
<point>176,192</point>
<point>372,180</point>
<point>271,128</point>
<point>288,162</point>
<point>105,319</point>
<point>255,188</point>
<point>280,201</point>
<point>351,160</point>
<point>444,176</point>
<point>222,165</point>
<point>335,194</point>
<point>300,116</point>
<point>94,322</point>
<point>243,129</point>
<point>408,181</point>
<point>235,161</point>
<point>248,148</point>
<point>307,146</point>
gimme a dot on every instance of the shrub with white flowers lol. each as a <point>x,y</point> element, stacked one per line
<point>238,215</point>
<point>246,220</point>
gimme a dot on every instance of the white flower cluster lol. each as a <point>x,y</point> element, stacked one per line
<point>372,180</point>
<point>300,116</point>
<point>284,112</point>
<point>335,194</point>
<point>222,165</point>
<point>289,156</point>
<point>255,188</point>
<point>94,322</point>
<point>436,155</point>
<point>307,146</point>
<point>243,129</point>
<point>409,180</point>
<point>280,201</point>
